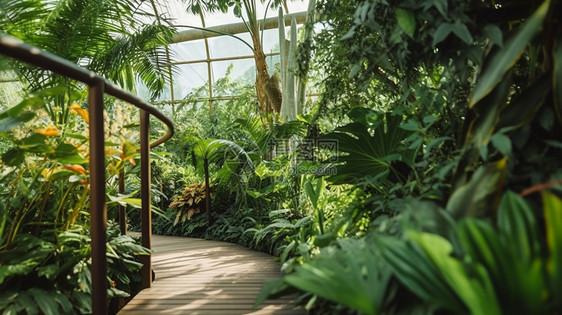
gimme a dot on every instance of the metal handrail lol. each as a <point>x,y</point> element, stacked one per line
<point>97,86</point>
<point>17,49</point>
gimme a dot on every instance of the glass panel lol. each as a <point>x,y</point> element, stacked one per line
<point>194,75</point>
<point>240,70</point>
<point>227,46</point>
<point>186,51</point>
<point>188,78</point>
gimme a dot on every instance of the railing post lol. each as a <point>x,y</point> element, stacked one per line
<point>19,50</point>
<point>146,219</point>
<point>98,211</point>
<point>122,213</point>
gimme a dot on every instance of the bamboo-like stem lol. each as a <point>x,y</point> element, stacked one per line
<point>61,202</point>
<point>77,208</point>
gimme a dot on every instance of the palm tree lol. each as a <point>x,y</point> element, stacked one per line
<point>212,150</point>
<point>109,37</point>
<point>268,88</point>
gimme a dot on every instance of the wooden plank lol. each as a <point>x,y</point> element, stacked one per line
<point>201,277</point>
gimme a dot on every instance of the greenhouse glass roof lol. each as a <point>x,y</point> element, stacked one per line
<point>198,61</point>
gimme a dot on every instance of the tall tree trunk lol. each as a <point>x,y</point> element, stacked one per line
<point>262,75</point>
<point>268,88</point>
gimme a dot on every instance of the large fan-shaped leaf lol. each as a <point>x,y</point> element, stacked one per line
<point>361,153</point>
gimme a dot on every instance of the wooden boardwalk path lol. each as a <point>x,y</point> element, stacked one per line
<point>200,277</point>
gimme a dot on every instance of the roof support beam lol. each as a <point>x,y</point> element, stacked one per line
<point>235,28</point>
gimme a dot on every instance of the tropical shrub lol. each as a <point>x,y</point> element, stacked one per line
<point>512,266</point>
<point>507,138</point>
<point>50,273</point>
<point>190,202</point>
<point>44,239</point>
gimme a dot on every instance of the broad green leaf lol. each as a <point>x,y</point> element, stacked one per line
<point>350,276</point>
<point>16,111</point>
<point>475,288</point>
<point>406,20</point>
<point>287,250</point>
<point>440,5</point>
<point>65,304</point>
<point>480,242</point>
<point>516,218</point>
<point>462,32</point>
<point>67,153</point>
<point>553,221</point>
<point>436,142</point>
<point>270,289</point>
<point>70,236</point>
<point>33,140</point>
<point>494,33</point>
<point>13,157</point>
<point>521,110</point>
<point>26,300</point>
<point>314,189</point>
<point>410,125</point>
<point>36,144</point>
<point>557,79</point>
<point>76,136</point>
<point>66,148</point>
<point>9,122</point>
<point>325,239</point>
<point>487,114</point>
<point>354,70</point>
<point>70,159</point>
<point>481,193</point>
<point>279,213</point>
<point>502,143</point>
<point>441,33</point>
<point>361,115</point>
<point>213,149</point>
<point>302,222</point>
<point>503,59</point>
<point>520,274</point>
<point>16,269</point>
<point>45,301</point>
<point>412,267</point>
<point>48,271</point>
<point>82,301</point>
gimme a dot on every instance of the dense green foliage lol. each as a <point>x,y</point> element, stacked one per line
<point>439,110</point>
<point>44,214</point>
<point>424,179</point>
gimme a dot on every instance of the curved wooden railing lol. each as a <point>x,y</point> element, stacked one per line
<point>97,86</point>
